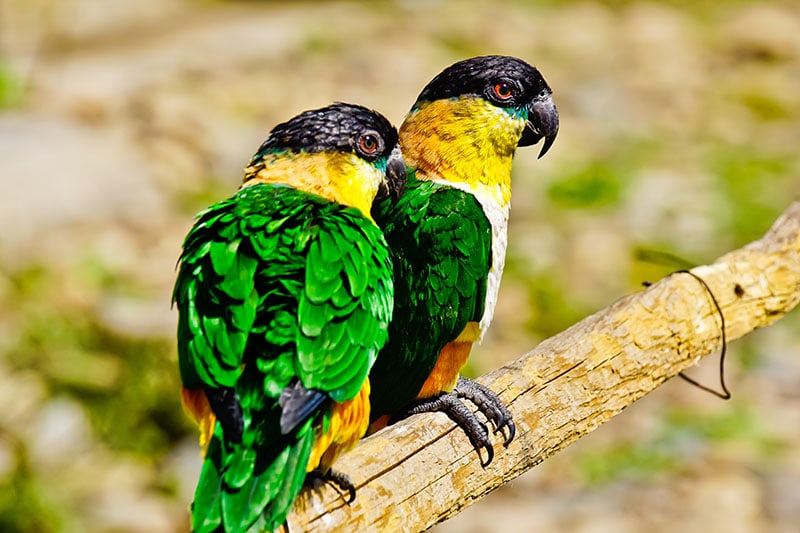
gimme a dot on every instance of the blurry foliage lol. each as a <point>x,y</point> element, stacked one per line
<point>126,383</point>
<point>732,423</point>
<point>23,504</point>
<point>12,87</point>
<point>459,45</point>
<point>651,263</point>
<point>192,202</point>
<point>756,187</point>
<point>603,180</point>
<point>748,357</point>
<point>598,183</point>
<point>321,44</point>
<point>683,434</point>
<point>631,461</point>
<point>765,106</point>
<point>698,6</point>
<point>662,259</point>
<point>552,310</point>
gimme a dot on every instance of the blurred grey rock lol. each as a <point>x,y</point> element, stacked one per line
<point>58,434</point>
<point>55,173</point>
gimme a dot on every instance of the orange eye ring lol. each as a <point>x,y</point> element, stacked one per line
<point>503,91</point>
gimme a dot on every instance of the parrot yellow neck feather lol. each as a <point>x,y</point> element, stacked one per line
<point>465,141</point>
<point>341,177</point>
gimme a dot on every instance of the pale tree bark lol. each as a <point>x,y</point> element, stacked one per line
<point>423,470</point>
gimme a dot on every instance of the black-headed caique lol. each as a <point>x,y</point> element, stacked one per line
<point>447,236</point>
<point>284,293</point>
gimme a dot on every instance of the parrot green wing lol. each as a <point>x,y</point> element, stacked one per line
<point>345,307</point>
<point>440,242</point>
<point>277,290</point>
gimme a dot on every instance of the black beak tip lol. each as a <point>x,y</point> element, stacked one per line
<point>548,142</point>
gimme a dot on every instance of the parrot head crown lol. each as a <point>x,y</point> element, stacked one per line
<point>343,152</point>
<point>468,121</point>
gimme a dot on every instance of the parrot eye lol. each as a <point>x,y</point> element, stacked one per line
<point>503,91</point>
<point>369,144</point>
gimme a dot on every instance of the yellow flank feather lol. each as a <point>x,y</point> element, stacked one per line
<point>348,423</point>
<point>471,333</point>
<point>341,177</point>
<point>467,141</point>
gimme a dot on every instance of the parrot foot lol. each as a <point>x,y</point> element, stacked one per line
<point>453,407</point>
<point>339,479</point>
<point>490,405</point>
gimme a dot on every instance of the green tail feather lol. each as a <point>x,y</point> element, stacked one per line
<point>243,490</point>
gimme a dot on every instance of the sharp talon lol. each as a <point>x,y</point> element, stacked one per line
<point>339,479</point>
<point>490,456</point>
<point>501,428</point>
<point>490,405</point>
<point>512,432</point>
<point>351,490</point>
<point>480,440</point>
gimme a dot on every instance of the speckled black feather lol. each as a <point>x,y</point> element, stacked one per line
<point>334,128</point>
<point>472,76</point>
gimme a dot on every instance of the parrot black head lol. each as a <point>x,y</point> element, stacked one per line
<point>342,128</point>
<point>505,82</point>
<point>336,128</point>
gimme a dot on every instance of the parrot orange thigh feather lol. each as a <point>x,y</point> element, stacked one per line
<point>451,360</point>
<point>348,423</point>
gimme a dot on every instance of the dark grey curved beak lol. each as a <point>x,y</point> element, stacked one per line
<point>395,182</point>
<point>542,123</point>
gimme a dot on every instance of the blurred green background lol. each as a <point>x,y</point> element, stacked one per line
<point>680,129</point>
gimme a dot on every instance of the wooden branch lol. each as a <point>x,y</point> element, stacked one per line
<point>423,470</point>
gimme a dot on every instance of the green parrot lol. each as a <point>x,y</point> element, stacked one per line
<point>284,293</point>
<point>447,236</point>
